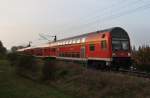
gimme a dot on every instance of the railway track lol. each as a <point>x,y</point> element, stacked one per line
<point>135,73</point>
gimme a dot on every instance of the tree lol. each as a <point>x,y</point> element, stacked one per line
<point>142,57</point>
<point>2,49</point>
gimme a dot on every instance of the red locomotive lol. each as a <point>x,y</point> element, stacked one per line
<point>100,49</point>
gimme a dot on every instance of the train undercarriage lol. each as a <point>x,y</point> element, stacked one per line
<point>115,64</point>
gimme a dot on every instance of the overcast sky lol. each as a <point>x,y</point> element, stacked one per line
<point>23,20</point>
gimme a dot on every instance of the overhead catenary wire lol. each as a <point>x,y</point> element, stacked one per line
<point>110,18</point>
<point>103,13</point>
<point>114,16</point>
<point>99,10</point>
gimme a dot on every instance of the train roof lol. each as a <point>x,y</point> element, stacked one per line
<point>115,31</point>
<point>111,30</point>
<point>43,45</point>
<point>24,49</point>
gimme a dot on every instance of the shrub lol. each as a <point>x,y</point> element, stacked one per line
<point>28,66</point>
<point>48,69</point>
<point>54,69</point>
<point>45,69</point>
<point>141,58</point>
<point>13,58</point>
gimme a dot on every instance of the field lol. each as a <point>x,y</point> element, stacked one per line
<point>14,86</point>
<point>72,81</point>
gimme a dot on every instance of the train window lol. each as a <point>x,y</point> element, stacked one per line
<point>70,41</point>
<point>78,41</point>
<point>125,45</point>
<point>78,55</point>
<point>120,45</point>
<point>92,47</point>
<point>67,42</point>
<point>83,40</point>
<point>54,44</point>
<point>45,50</point>
<point>103,35</point>
<point>73,55</point>
<point>74,41</point>
<point>58,43</point>
<point>69,55</point>
<point>103,44</point>
<point>53,49</point>
<point>66,54</point>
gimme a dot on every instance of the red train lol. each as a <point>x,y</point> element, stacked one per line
<point>100,49</point>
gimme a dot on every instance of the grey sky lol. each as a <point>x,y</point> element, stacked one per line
<point>22,20</point>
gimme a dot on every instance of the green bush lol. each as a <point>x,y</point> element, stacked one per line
<point>39,68</point>
<point>28,66</point>
<point>52,70</point>
<point>13,58</point>
<point>48,69</point>
<point>55,69</point>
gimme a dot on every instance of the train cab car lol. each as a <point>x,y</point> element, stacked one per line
<point>109,48</point>
<point>121,50</point>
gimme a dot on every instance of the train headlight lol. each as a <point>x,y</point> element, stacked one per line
<point>129,54</point>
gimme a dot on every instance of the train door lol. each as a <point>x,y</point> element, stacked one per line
<point>82,52</point>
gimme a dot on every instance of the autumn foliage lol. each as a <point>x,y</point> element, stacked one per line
<point>141,58</point>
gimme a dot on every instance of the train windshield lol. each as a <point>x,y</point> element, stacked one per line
<point>120,39</point>
<point>120,45</point>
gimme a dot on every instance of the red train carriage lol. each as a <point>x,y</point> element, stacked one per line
<point>106,48</point>
<point>45,51</point>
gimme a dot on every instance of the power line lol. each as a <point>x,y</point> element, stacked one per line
<point>118,6</point>
<point>111,17</point>
<point>45,38</point>
<point>101,10</point>
<point>147,6</point>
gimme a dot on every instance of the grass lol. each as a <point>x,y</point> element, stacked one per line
<point>13,86</point>
<point>105,85</point>
<point>72,81</point>
<point>97,84</point>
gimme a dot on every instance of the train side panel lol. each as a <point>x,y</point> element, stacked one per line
<point>98,46</point>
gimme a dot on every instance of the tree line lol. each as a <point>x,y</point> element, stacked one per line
<point>141,57</point>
